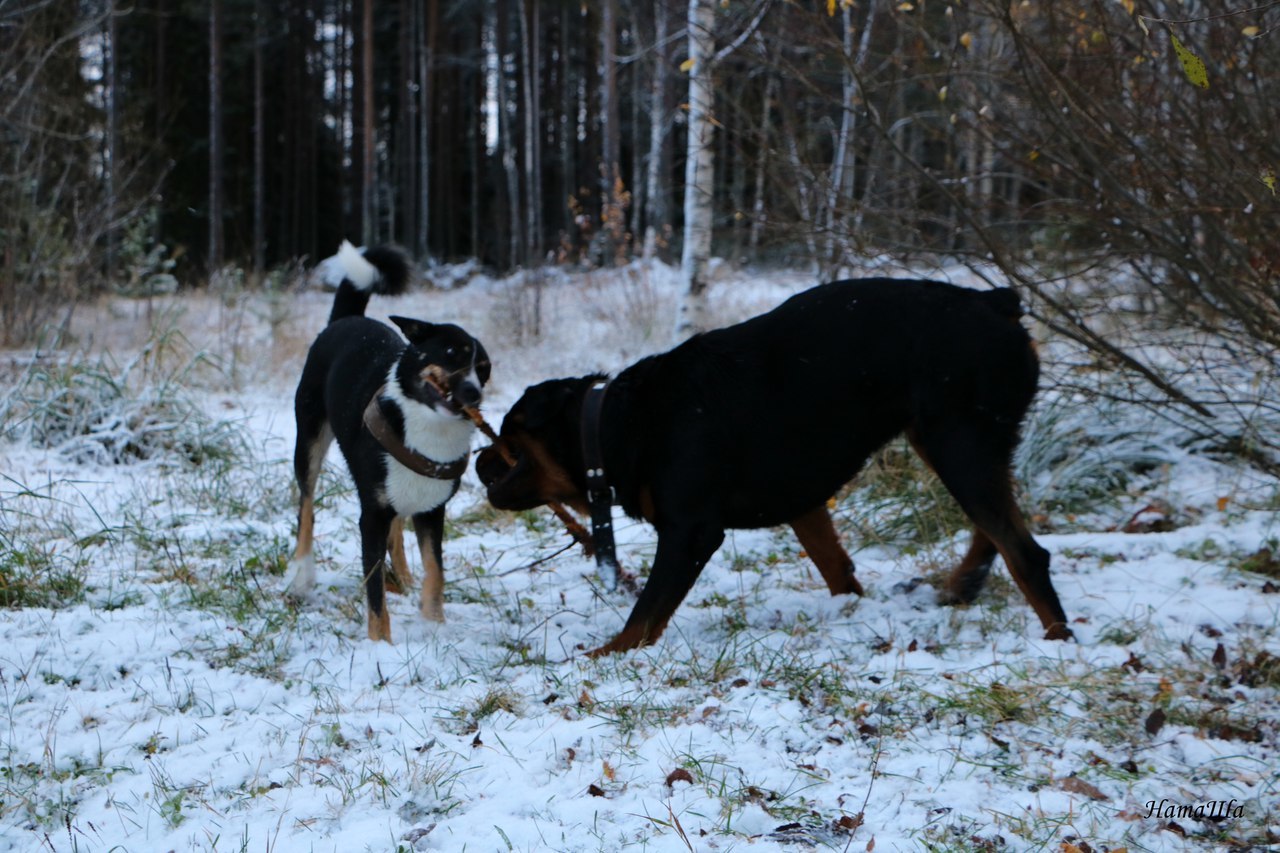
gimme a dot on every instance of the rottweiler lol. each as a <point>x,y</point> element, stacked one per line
<point>761,423</point>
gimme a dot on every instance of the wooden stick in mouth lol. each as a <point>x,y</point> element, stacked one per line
<point>575,528</point>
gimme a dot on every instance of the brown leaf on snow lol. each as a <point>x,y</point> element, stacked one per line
<point>595,790</point>
<point>1076,785</point>
<point>1155,721</point>
<point>679,775</point>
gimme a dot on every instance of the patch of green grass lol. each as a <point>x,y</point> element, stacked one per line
<point>40,574</point>
<point>897,501</point>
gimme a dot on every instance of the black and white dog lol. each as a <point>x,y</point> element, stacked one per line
<point>396,411</point>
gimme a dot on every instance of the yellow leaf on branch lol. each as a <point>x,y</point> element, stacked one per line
<point>1192,66</point>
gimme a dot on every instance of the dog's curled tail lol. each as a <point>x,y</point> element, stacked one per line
<point>1003,301</point>
<point>380,269</point>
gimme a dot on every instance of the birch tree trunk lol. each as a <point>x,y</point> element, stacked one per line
<point>699,172</point>
<point>655,198</point>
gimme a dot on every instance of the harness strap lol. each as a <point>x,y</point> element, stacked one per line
<point>382,432</point>
<point>599,493</point>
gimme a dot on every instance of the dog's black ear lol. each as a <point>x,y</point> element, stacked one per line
<point>415,330</point>
<point>483,365</point>
<point>545,404</point>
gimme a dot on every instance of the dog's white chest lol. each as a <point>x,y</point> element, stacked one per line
<point>441,438</point>
<point>409,493</point>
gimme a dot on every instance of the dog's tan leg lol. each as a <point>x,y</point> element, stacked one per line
<point>302,565</point>
<point>400,580</point>
<point>380,625</point>
<point>432,604</point>
<point>429,527</point>
<point>970,575</point>
<point>313,443</point>
<point>818,537</point>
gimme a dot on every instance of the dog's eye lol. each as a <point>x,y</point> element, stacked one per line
<point>451,352</point>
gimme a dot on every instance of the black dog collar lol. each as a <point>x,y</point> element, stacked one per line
<point>599,494</point>
<point>401,452</point>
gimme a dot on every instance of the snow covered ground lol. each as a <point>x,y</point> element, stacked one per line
<point>156,692</point>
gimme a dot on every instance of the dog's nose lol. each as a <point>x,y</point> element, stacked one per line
<point>489,466</point>
<point>467,394</point>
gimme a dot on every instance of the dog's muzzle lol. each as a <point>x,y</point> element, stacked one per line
<point>492,468</point>
<point>452,393</point>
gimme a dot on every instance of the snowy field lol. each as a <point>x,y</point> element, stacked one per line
<point>157,693</point>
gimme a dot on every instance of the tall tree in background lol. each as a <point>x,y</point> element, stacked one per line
<point>215,137</point>
<point>612,222</point>
<point>699,188</point>
<point>259,150</point>
<point>698,171</point>
<point>368,176</point>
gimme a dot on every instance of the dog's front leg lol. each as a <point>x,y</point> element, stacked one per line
<point>375,526</point>
<point>429,527</point>
<point>683,550</point>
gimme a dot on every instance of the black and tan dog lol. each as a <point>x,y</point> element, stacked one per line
<point>759,424</point>
<point>396,411</point>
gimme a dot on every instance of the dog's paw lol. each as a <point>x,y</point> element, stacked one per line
<point>300,580</point>
<point>432,609</point>
<point>1059,631</point>
<point>910,585</point>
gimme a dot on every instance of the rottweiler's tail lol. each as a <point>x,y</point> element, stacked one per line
<point>362,273</point>
<point>1003,301</point>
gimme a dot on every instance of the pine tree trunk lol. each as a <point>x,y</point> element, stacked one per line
<point>406,181</point>
<point>259,151</point>
<point>530,39</point>
<point>610,134</point>
<point>368,178</point>
<point>215,137</point>
<point>426,82</point>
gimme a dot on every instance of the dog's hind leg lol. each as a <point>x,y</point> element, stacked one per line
<point>969,576</point>
<point>974,467</point>
<point>308,457</point>
<point>375,526</point>
<point>429,527</point>
<point>400,581</point>
<point>818,537</point>
<point>682,553</point>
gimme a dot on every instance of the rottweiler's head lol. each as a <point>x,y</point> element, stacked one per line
<point>443,366</point>
<point>543,434</point>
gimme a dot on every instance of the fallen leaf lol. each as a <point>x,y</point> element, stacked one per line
<point>1076,785</point>
<point>679,775</point>
<point>1155,721</point>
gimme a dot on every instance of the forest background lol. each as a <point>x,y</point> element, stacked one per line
<point>1054,144</point>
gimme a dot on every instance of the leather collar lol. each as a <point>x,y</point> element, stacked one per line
<point>599,493</point>
<point>383,433</point>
